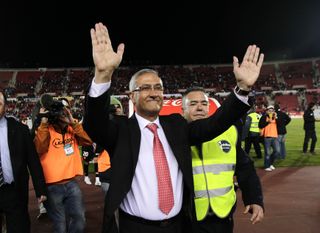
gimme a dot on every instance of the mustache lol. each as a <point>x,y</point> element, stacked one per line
<point>154,98</point>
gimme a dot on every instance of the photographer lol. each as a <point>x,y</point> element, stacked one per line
<point>57,141</point>
<point>268,125</point>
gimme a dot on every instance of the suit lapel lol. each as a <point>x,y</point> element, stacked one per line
<point>135,136</point>
<point>167,128</point>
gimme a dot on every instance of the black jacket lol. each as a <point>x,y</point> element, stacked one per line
<point>309,120</point>
<point>247,178</point>
<point>282,120</point>
<point>121,138</point>
<point>24,160</point>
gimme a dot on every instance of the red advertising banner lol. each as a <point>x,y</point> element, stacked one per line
<point>175,106</point>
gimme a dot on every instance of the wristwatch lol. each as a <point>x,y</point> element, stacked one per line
<point>239,91</point>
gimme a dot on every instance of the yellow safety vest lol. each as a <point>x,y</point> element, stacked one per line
<point>255,118</point>
<point>213,175</point>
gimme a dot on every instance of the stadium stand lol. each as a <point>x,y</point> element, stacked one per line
<point>293,84</point>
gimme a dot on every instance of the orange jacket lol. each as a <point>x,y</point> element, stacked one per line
<point>103,161</point>
<point>59,154</point>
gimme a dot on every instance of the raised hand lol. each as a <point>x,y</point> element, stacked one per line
<point>105,59</point>
<point>42,113</point>
<point>248,71</point>
<point>67,117</point>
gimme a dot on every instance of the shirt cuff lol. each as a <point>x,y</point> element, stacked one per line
<point>97,89</point>
<point>242,98</point>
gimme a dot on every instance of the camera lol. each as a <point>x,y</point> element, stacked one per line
<point>55,108</point>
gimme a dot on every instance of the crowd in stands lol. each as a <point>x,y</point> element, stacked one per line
<point>293,84</point>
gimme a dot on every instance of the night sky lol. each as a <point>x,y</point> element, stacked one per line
<point>56,35</point>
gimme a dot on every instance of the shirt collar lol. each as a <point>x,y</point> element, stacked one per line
<point>144,122</point>
<point>3,121</point>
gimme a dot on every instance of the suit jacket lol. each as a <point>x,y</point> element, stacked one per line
<point>24,159</point>
<point>249,181</point>
<point>121,138</point>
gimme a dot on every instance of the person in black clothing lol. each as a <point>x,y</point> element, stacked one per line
<point>18,162</point>
<point>310,129</point>
<point>282,120</point>
<point>116,109</point>
<point>89,154</point>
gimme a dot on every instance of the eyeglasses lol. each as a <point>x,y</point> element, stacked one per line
<point>148,88</point>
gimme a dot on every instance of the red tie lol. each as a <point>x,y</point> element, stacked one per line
<point>165,192</point>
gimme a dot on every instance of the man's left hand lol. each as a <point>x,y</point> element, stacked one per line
<point>257,213</point>
<point>248,71</point>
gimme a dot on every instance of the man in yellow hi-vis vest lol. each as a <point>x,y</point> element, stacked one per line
<point>253,133</point>
<point>214,165</point>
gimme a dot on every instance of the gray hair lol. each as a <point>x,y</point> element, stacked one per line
<point>132,83</point>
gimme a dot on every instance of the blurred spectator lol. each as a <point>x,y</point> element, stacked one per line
<point>310,129</point>
<point>283,120</point>
<point>253,132</point>
<point>268,126</point>
<point>89,155</point>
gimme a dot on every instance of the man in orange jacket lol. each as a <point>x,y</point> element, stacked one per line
<point>57,141</point>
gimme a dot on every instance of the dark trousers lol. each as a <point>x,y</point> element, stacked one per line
<point>15,209</point>
<point>132,224</point>
<point>256,144</point>
<point>309,134</point>
<point>213,224</point>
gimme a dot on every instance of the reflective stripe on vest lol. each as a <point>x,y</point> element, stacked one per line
<point>213,175</point>
<point>214,168</point>
<point>212,192</point>
<point>255,118</point>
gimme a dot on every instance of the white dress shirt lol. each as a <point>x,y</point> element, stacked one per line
<point>142,199</point>
<point>5,153</point>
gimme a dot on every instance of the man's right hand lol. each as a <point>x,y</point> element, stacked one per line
<point>43,111</point>
<point>105,59</point>
<point>248,71</point>
<point>42,199</point>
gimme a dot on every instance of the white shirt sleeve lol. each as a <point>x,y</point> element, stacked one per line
<point>243,99</point>
<point>98,89</point>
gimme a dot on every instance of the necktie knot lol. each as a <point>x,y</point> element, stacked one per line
<point>152,127</point>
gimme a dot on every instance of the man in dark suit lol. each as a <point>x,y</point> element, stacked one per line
<point>18,157</point>
<point>152,197</point>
